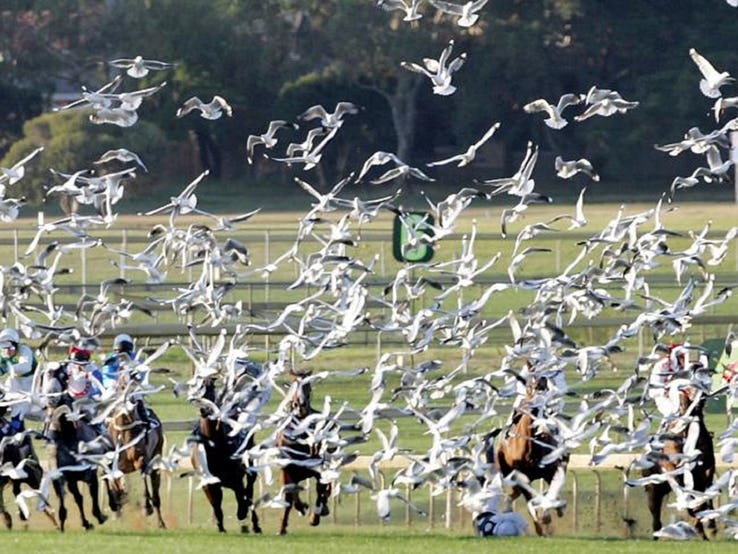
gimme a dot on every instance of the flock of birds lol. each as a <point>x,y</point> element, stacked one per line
<point>431,306</point>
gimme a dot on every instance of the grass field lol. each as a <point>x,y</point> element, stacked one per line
<point>329,541</point>
<point>342,533</point>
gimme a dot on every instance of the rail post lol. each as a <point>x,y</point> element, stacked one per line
<point>574,499</point>
<point>598,500</point>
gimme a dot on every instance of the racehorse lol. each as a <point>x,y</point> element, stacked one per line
<point>66,435</point>
<point>522,448</point>
<point>219,451</point>
<point>691,405</point>
<point>305,456</point>
<point>140,442</point>
<point>15,453</point>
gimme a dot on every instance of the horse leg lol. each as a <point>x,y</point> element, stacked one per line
<point>94,487</point>
<point>323,493</point>
<point>249,493</point>
<point>243,503</point>
<point>113,502</point>
<point>289,496</point>
<point>59,489</point>
<point>6,516</point>
<point>155,477</point>
<point>214,494</point>
<point>16,487</point>
<point>656,494</point>
<point>73,486</point>
<point>292,496</point>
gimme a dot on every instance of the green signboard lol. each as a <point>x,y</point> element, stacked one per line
<point>407,232</point>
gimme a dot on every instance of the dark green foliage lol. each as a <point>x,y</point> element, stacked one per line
<point>72,143</point>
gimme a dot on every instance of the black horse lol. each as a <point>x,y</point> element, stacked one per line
<point>65,436</point>
<point>691,404</point>
<point>20,453</point>
<point>292,442</point>
<point>212,434</point>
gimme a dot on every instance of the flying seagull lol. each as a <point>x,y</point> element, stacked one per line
<point>138,67</point>
<point>471,152</point>
<point>712,80</point>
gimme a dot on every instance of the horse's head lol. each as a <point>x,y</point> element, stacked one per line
<point>535,385</point>
<point>300,393</point>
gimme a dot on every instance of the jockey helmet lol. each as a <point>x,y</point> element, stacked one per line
<point>9,338</point>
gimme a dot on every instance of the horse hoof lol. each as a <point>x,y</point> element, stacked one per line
<point>301,508</point>
<point>88,526</point>
<point>101,518</point>
<point>244,529</point>
<point>257,530</point>
<point>8,520</point>
<point>314,519</point>
<point>322,510</point>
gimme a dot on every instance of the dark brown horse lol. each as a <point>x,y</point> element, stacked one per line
<point>691,404</point>
<point>219,450</point>
<point>65,436</point>
<point>292,441</point>
<point>145,440</point>
<point>522,448</point>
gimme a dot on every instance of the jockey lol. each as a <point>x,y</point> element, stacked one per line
<point>122,352</point>
<point>674,363</point>
<point>117,370</point>
<point>488,520</point>
<point>77,376</point>
<point>18,363</point>
<point>728,367</point>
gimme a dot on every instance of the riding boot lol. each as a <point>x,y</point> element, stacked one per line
<point>143,414</point>
<point>690,446</point>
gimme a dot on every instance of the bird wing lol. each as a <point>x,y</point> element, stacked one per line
<point>189,105</point>
<point>224,105</point>
<point>447,7</point>
<point>314,112</point>
<point>415,68</point>
<point>705,67</point>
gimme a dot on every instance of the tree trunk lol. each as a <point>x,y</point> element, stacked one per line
<point>404,111</point>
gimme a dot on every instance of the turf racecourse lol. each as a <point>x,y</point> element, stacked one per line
<point>327,541</point>
<point>396,537</point>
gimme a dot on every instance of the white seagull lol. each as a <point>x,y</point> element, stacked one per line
<point>567,169</point>
<point>439,71</point>
<point>554,119</point>
<point>329,120</point>
<point>138,67</point>
<point>122,155</point>
<point>712,80</point>
<point>212,110</point>
<point>471,152</point>
<point>267,138</point>
<point>11,175</point>
<point>410,9</point>
<point>467,12</point>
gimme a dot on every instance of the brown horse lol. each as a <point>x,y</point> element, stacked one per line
<point>145,440</point>
<point>219,450</point>
<point>522,448</point>
<point>691,404</point>
<point>292,442</point>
